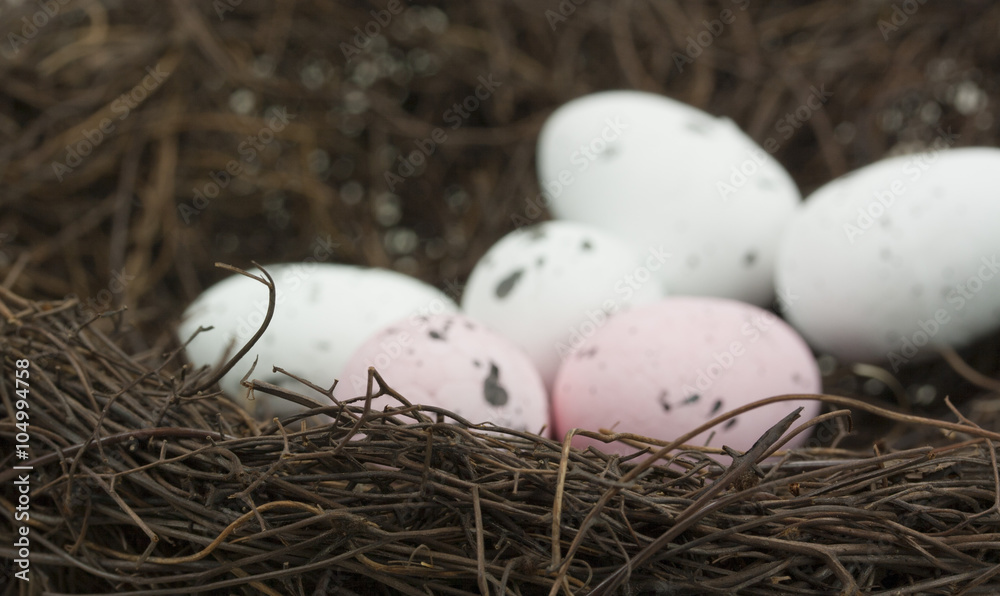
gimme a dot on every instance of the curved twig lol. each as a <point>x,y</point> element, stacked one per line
<point>271,300</point>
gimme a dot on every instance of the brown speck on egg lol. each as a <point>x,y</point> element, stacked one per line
<point>493,392</point>
<point>663,400</point>
<point>507,284</point>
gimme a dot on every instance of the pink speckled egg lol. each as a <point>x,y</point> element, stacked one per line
<point>453,362</point>
<point>664,369</point>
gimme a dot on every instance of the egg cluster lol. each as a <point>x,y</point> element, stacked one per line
<point>639,308</point>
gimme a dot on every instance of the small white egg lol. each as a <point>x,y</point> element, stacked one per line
<point>661,173</point>
<point>897,258</point>
<point>549,286</point>
<point>323,313</point>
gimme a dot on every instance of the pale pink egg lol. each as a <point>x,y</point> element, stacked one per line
<point>664,369</point>
<point>453,362</point>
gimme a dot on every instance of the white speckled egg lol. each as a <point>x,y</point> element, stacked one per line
<point>662,173</point>
<point>897,257</point>
<point>546,287</point>
<point>455,363</point>
<point>664,369</point>
<point>323,312</point>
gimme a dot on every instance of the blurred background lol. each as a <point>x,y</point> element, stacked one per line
<point>142,142</point>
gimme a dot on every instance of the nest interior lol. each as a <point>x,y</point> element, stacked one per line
<point>144,481</point>
<point>144,142</point>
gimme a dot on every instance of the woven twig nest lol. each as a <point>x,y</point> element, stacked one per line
<point>141,483</point>
<point>136,489</point>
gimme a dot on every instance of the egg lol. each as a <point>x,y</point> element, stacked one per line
<point>665,174</point>
<point>546,287</point>
<point>455,363</point>
<point>664,369</point>
<point>897,258</point>
<point>323,313</point>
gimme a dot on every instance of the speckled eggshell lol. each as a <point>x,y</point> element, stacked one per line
<point>660,172</point>
<point>896,258</point>
<point>456,363</point>
<point>323,313</point>
<point>664,369</point>
<point>548,286</point>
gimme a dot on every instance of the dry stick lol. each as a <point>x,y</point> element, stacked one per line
<point>9,295</point>
<point>425,475</point>
<point>989,574</point>
<point>642,467</point>
<point>811,550</point>
<point>631,475</point>
<point>16,270</point>
<point>993,454</point>
<point>557,501</point>
<point>7,314</point>
<point>171,399</point>
<point>833,399</point>
<point>372,375</point>
<point>111,400</point>
<point>278,391</point>
<point>271,301</point>
<point>641,442</point>
<point>807,425</point>
<point>971,375</point>
<point>387,390</point>
<point>294,397</point>
<point>232,527</point>
<point>110,490</point>
<point>271,470</point>
<point>243,574</point>
<point>880,374</point>
<point>484,587</point>
<point>309,384</point>
<point>72,356</point>
<point>189,433</point>
<point>741,466</point>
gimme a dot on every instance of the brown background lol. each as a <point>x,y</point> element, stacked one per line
<point>114,230</point>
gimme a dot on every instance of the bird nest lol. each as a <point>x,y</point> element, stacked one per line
<point>119,122</point>
<point>140,478</point>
